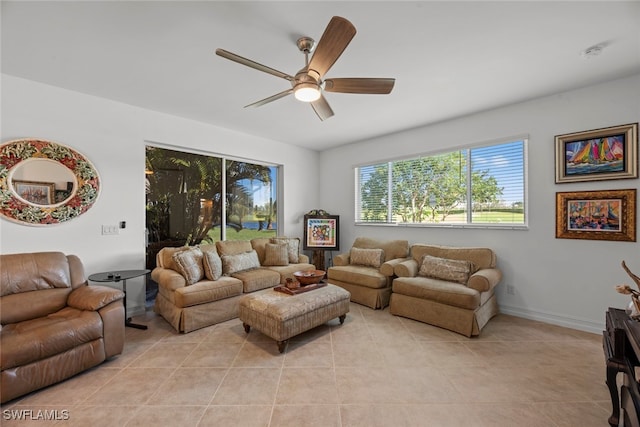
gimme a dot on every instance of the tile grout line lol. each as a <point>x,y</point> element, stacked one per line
<point>275,395</point>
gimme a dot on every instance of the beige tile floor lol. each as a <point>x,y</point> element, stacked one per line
<point>375,370</point>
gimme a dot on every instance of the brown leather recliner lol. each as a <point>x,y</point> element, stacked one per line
<point>53,325</point>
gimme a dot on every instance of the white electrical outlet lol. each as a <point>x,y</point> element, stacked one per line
<point>109,230</point>
<point>511,290</point>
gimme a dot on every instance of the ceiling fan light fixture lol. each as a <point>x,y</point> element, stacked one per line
<point>306,92</point>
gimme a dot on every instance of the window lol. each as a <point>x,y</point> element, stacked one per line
<point>250,200</point>
<point>479,185</point>
<point>189,199</point>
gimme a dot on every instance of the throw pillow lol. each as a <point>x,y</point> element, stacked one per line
<point>453,270</point>
<point>212,264</point>
<point>239,262</point>
<point>276,254</point>
<point>293,246</point>
<point>189,264</point>
<point>166,256</point>
<point>367,257</point>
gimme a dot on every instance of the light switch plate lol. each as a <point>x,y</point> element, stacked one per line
<point>109,230</point>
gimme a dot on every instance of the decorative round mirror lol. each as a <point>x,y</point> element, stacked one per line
<point>43,182</point>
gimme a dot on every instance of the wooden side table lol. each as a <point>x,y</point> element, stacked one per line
<point>115,277</point>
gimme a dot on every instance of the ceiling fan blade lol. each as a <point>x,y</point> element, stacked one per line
<point>322,108</point>
<point>334,40</point>
<point>253,64</point>
<point>360,85</point>
<point>270,98</point>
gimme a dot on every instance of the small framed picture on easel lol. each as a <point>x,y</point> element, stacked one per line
<point>321,232</point>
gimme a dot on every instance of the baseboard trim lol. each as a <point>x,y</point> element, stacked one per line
<point>555,319</point>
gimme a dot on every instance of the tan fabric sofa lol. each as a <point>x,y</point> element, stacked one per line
<point>201,286</point>
<point>364,274</point>
<point>447,293</point>
<point>54,325</point>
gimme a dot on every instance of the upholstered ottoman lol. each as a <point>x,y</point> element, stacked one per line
<point>281,316</point>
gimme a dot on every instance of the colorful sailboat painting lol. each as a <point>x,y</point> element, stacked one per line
<point>598,155</point>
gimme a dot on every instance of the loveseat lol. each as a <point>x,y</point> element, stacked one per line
<point>449,287</point>
<point>53,325</point>
<point>201,285</point>
<point>367,270</point>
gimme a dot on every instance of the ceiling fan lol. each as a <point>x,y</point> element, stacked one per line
<point>308,83</point>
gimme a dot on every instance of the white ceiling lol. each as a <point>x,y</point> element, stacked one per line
<point>449,58</point>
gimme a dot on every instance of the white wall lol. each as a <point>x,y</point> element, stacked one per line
<point>567,282</point>
<point>112,136</point>
<point>561,281</point>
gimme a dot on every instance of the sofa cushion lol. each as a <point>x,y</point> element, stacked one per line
<point>259,244</point>
<point>211,263</point>
<point>244,261</point>
<point>293,246</point>
<point>34,271</point>
<point>358,274</point>
<point>37,339</point>
<point>392,248</point>
<point>446,269</point>
<point>204,292</point>
<point>480,257</point>
<point>189,264</point>
<point>444,292</point>
<point>23,306</point>
<point>286,271</point>
<point>233,247</point>
<point>367,257</point>
<point>258,278</point>
<point>276,254</point>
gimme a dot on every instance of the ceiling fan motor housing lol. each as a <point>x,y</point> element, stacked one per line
<point>306,86</point>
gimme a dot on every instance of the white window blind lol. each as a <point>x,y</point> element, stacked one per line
<point>479,185</point>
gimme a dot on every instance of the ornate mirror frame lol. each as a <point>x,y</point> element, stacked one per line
<point>84,194</point>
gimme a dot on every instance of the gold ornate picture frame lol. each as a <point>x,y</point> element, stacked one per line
<point>597,215</point>
<point>598,154</point>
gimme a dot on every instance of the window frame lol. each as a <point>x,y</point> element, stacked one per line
<point>279,187</point>
<point>468,147</point>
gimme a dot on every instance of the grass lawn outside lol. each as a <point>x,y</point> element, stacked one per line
<point>485,217</point>
<point>244,234</point>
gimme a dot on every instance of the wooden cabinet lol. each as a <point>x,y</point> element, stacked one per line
<point>621,343</point>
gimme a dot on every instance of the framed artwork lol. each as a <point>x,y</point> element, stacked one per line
<point>38,193</point>
<point>596,215</point>
<point>322,232</point>
<point>597,155</point>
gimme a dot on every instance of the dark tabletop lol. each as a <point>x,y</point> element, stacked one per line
<point>117,275</point>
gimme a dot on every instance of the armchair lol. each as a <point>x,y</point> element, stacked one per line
<point>449,287</point>
<point>53,325</point>
<point>367,270</point>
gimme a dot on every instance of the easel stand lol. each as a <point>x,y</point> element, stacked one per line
<point>317,259</point>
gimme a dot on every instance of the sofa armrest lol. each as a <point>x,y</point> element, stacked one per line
<point>485,279</point>
<point>93,298</point>
<point>388,267</point>
<point>113,320</point>
<point>168,278</point>
<point>408,268</point>
<point>341,259</point>
<point>303,259</point>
